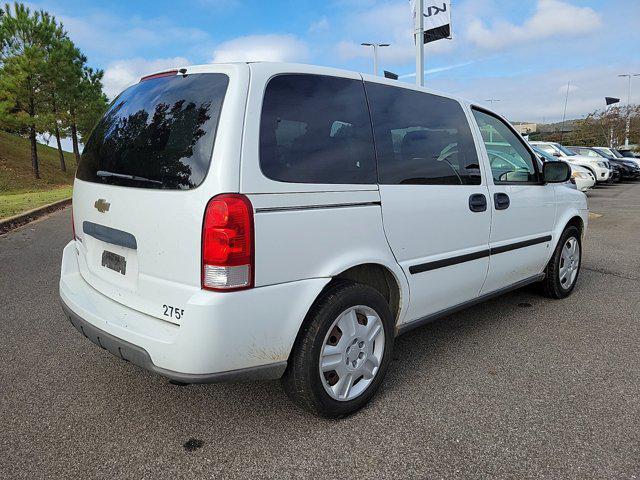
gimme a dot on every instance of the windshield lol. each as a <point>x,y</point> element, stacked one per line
<point>547,156</point>
<point>564,150</point>
<point>605,152</point>
<point>157,134</point>
<point>616,153</point>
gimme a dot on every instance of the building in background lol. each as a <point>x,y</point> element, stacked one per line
<point>525,128</point>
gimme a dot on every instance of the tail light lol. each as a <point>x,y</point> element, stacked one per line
<point>227,243</point>
<point>168,73</point>
<point>73,224</point>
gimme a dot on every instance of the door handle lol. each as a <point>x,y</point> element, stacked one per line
<point>477,202</point>
<point>501,201</point>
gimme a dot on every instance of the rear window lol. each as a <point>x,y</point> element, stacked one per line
<point>316,129</point>
<point>157,134</point>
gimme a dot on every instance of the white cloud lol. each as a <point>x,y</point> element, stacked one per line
<point>541,96</point>
<point>122,73</point>
<point>446,68</point>
<point>269,48</point>
<point>552,18</point>
<point>385,23</point>
<point>108,35</point>
<point>320,25</point>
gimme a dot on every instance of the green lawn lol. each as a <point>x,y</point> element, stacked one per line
<point>15,166</point>
<point>19,191</point>
<point>12,204</point>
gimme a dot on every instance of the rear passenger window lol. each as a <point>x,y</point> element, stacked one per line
<point>316,129</point>
<point>421,138</point>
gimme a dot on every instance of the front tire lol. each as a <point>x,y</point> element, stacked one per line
<point>343,351</point>
<point>564,266</point>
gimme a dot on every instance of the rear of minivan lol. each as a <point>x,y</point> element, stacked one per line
<point>161,266</point>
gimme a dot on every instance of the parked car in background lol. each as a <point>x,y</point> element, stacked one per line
<point>621,170</point>
<point>613,153</point>
<point>629,168</point>
<point>598,167</point>
<point>263,234</point>
<point>629,154</point>
<point>581,178</point>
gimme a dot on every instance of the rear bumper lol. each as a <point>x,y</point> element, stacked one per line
<point>140,357</point>
<point>222,336</point>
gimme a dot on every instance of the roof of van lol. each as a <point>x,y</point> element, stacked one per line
<point>285,67</point>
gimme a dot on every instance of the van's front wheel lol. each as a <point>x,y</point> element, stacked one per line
<point>564,266</point>
<point>343,351</point>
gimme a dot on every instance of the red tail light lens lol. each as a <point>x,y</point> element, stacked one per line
<point>227,243</point>
<point>73,224</point>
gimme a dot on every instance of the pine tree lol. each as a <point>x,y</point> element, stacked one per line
<point>25,40</point>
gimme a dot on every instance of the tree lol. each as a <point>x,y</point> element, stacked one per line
<point>25,38</point>
<point>93,102</point>
<point>63,75</point>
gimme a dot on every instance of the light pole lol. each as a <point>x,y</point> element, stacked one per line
<point>626,130</point>
<point>564,113</point>
<point>375,53</point>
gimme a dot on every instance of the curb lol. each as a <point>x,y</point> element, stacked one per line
<point>16,221</point>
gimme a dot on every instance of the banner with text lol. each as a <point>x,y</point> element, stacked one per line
<point>437,19</point>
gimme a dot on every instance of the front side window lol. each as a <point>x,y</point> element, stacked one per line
<point>509,159</point>
<point>421,138</point>
<point>316,129</point>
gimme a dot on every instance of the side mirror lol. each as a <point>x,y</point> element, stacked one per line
<point>556,154</point>
<point>556,172</point>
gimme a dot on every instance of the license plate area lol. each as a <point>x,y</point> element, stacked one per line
<point>115,262</point>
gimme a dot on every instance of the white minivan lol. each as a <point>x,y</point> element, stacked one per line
<point>267,220</point>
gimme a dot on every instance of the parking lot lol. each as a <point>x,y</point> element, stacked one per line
<point>521,386</point>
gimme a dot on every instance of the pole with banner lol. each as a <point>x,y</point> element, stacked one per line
<point>431,22</point>
<point>419,35</point>
<point>610,101</point>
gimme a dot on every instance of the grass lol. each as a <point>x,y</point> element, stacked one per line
<point>12,204</point>
<point>16,175</point>
<point>19,190</point>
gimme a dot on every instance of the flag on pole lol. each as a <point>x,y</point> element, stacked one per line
<point>437,19</point>
<point>611,100</point>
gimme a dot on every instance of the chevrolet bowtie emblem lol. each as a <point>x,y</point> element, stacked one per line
<point>102,205</point>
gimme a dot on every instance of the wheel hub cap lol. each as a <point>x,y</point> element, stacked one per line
<point>352,352</point>
<point>569,262</point>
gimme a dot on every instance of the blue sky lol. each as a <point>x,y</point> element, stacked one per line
<point>521,52</point>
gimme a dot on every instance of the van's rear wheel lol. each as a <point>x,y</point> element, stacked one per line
<point>343,351</point>
<point>564,266</point>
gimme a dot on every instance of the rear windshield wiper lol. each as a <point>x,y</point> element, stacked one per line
<point>135,178</point>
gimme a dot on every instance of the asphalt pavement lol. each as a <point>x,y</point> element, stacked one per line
<point>519,387</point>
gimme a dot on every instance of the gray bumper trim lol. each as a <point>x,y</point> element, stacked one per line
<point>140,357</point>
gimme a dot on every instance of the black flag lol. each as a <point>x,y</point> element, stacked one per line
<point>611,100</point>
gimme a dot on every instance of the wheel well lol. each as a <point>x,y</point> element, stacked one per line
<point>378,277</point>
<point>576,222</point>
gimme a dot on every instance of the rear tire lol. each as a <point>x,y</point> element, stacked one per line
<point>564,266</point>
<point>343,351</point>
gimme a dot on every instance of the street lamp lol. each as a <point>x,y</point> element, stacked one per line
<point>375,53</point>
<point>626,132</point>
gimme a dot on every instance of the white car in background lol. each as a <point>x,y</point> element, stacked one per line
<point>612,152</point>
<point>598,167</point>
<point>581,178</point>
